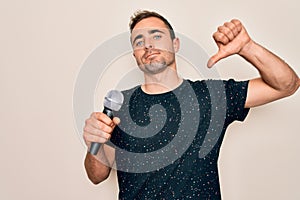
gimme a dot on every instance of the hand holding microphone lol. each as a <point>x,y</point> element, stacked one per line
<point>99,126</point>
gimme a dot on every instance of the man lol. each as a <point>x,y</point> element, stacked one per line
<point>186,174</point>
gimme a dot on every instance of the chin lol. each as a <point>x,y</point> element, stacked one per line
<point>154,68</point>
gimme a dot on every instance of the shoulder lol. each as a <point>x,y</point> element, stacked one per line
<point>129,92</point>
<point>217,83</point>
<point>208,84</point>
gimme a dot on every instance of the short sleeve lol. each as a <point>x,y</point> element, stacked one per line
<point>236,94</point>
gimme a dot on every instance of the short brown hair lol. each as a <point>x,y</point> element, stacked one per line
<point>143,14</point>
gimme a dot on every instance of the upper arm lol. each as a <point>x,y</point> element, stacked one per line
<point>260,93</point>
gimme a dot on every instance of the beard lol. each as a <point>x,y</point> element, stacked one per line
<point>156,66</point>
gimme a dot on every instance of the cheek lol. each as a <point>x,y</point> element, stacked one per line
<point>165,46</point>
<point>137,54</point>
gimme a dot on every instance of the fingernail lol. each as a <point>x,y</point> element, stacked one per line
<point>210,64</point>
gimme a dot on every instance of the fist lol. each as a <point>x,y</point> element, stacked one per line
<point>98,128</point>
<point>231,38</point>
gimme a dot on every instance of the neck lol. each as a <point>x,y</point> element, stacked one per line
<point>162,82</point>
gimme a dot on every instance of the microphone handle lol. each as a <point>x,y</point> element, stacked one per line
<point>96,146</point>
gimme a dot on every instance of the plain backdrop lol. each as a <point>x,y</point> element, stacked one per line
<point>43,44</point>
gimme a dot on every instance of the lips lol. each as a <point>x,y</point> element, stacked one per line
<point>150,55</point>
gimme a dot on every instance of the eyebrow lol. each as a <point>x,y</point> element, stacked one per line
<point>137,37</point>
<point>155,30</point>
<point>150,32</point>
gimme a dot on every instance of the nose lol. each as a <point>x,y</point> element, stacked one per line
<point>148,43</point>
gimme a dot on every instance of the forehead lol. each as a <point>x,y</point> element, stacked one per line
<point>146,26</point>
<point>152,22</point>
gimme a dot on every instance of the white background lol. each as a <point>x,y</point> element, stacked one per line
<point>44,43</point>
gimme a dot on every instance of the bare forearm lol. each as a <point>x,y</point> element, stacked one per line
<point>273,70</point>
<point>96,170</point>
<point>98,128</point>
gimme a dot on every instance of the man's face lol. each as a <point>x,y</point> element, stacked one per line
<point>152,45</point>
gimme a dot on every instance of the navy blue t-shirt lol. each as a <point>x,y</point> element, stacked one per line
<point>167,145</point>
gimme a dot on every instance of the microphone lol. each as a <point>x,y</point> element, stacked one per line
<point>112,102</point>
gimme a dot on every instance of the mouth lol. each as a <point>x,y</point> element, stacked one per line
<point>151,55</point>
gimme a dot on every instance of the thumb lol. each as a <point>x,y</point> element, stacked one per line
<point>116,120</point>
<point>215,58</point>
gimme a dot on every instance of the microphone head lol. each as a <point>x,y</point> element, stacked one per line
<point>113,100</point>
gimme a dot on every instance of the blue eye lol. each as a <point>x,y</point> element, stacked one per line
<point>139,43</point>
<point>157,37</point>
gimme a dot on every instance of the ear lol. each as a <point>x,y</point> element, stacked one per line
<point>176,44</point>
